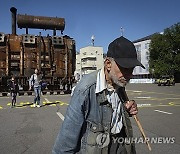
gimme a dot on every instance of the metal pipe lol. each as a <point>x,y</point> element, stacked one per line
<point>13,16</point>
<point>40,22</point>
<point>54,32</point>
<point>26,30</point>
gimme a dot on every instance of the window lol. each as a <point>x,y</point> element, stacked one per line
<point>84,62</point>
<point>147,56</point>
<point>84,53</point>
<point>147,67</point>
<point>138,47</point>
<point>138,50</point>
<point>147,46</point>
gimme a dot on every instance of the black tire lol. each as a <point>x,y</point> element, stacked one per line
<point>4,94</point>
<point>44,92</point>
<point>29,93</point>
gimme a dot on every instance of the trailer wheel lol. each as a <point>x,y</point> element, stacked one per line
<point>4,94</point>
<point>29,93</point>
<point>21,93</point>
<point>44,93</point>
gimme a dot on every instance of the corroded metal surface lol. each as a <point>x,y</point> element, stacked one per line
<point>29,21</point>
<point>53,55</point>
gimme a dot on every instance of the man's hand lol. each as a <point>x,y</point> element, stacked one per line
<point>131,107</point>
<point>29,88</point>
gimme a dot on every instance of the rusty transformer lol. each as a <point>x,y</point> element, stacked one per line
<point>53,55</point>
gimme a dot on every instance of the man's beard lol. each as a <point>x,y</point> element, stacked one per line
<point>118,82</point>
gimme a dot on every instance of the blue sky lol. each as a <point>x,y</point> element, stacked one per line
<point>102,18</point>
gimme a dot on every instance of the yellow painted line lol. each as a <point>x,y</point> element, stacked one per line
<point>1,107</point>
<point>31,106</point>
<point>44,103</point>
<point>52,105</point>
<point>23,104</point>
<point>171,103</point>
<point>155,93</point>
<point>8,104</point>
<point>61,103</point>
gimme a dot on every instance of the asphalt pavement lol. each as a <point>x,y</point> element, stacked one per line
<point>29,130</point>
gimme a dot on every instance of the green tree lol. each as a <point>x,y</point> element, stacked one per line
<point>165,52</point>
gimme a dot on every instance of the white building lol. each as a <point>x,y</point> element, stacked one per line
<point>89,59</point>
<point>142,48</point>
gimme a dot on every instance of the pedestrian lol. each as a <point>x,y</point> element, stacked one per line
<point>35,82</point>
<point>14,88</point>
<point>76,80</point>
<point>98,115</point>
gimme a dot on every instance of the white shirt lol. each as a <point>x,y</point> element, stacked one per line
<point>113,98</point>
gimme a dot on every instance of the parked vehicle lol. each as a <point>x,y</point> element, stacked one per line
<point>166,80</point>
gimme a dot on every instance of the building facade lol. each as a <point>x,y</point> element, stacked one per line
<point>142,49</point>
<point>89,59</point>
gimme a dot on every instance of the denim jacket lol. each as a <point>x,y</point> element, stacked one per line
<point>88,115</point>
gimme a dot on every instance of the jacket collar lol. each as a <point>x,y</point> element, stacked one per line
<point>101,81</point>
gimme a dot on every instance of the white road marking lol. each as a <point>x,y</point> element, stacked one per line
<point>60,116</point>
<point>140,105</point>
<point>58,113</point>
<point>162,112</point>
<point>47,101</point>
<point>144,97</point>
<point>137,91</point>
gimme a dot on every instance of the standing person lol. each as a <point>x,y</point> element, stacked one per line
<point>14,88</point>
<point>76,80</point>
<point>35,82</point>
<point>98,113</point>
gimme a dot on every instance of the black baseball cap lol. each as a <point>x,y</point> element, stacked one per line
<point>124,53</point>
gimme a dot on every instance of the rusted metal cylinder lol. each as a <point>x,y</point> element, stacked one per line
<point>13,14</point>
<point>40,22</point>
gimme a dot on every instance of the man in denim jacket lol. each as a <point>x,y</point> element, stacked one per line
<point>98,114</point>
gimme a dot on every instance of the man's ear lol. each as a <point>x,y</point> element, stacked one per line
<point>108,64</point>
